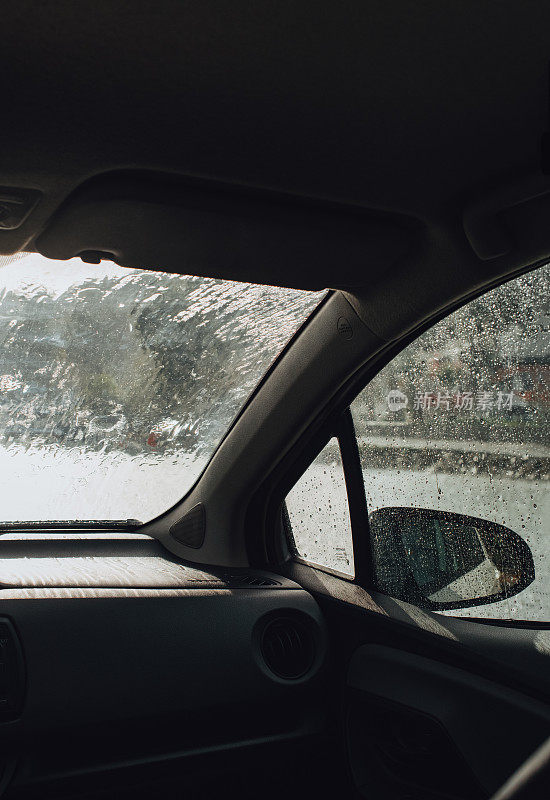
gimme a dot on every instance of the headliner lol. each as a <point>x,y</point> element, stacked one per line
<point>416,109</point>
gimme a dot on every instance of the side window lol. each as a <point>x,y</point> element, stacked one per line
<point>318,512</point>
<point>454,439</point>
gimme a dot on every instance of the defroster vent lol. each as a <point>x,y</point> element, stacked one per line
<point>288,647</point>
<point>255,581</point>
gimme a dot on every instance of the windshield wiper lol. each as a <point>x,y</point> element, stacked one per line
<point>74,524</point>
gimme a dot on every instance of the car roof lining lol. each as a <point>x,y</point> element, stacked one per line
<point>388,150</point>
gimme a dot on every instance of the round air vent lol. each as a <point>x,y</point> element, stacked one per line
<point>288,647</point>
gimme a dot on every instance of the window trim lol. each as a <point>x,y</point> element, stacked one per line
<point>357,501</point>
<point>272,550</point>
<point>292,551</point>
<point>372,369</point>
<point>344,432</point>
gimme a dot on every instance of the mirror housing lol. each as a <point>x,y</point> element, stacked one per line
<point>440,560</point>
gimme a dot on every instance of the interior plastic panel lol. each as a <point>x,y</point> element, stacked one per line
<point>144,220</point>
<point>115,676</point>
<point>103,659</point>
<point>493,729</point>
<point>514,656</point>
<point>293,394</point>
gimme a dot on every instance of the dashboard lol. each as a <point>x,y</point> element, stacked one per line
<point>113,655</point>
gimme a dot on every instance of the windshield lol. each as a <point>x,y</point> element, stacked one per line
<point>116,385</point>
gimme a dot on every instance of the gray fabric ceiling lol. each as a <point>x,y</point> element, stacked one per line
<point>414,108</point>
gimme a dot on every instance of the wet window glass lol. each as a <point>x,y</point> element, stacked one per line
<point>116,385</point>
<point>318,512</point>
<point>459,422</point>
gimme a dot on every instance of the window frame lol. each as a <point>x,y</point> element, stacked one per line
<point>344,433</point>
<point>339,420</point>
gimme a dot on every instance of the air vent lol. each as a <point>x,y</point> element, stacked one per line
<point>288,648</point>
<point>250,580</point>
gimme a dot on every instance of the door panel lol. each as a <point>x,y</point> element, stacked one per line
<point>435,727</point>
<point>432,707</point>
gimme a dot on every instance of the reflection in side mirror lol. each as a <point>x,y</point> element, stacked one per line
<point>440,560</point>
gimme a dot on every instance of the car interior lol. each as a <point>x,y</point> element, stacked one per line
<point>395,159</point>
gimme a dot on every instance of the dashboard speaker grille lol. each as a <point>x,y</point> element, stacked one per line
<point>288,648</point>
<point>190,530</point>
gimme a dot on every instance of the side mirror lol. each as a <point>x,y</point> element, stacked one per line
<point>439,560</point>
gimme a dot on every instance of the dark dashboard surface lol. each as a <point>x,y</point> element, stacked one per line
<point>115,654</point>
